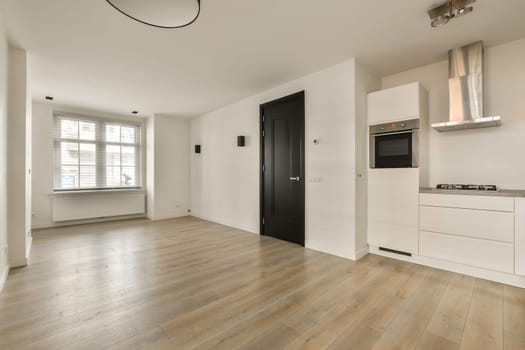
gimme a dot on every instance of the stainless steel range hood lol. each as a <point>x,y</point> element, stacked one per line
<point>465,86</point>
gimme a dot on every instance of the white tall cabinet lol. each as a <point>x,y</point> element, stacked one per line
<point>393,194</point>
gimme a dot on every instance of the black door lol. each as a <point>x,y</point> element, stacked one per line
<point>282,168</point>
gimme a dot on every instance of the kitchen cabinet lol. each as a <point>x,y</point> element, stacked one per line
<point>395,104</point>
<point>484,224</point>
<point>492,255</point>
<point>393,199</point>
<point>520,236</point>
<point>472,230</point>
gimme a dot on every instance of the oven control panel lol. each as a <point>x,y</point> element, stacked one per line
<point>394,126</point>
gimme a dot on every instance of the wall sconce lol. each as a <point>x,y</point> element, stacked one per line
<point>241,141</point>
<point>197,148</point>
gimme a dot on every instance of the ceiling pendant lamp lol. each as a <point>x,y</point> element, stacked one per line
<point>159,13</point>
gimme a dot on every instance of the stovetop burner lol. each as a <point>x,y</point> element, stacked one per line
<point>467,187</point>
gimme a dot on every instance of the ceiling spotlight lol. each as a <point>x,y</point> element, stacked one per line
<point>49,98</point>
<point>440,15</point>
<point>462,11</point>
<point>135,112</point>
<point>440,21</point>
<point>160,13</point>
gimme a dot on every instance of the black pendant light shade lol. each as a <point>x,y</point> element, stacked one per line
<point>160,13</point>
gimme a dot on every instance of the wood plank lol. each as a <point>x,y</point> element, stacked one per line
<point>365,333</point>
<point>405,329</point>
<point>445,329</point>
<point>484,326</point>
<point>514,318</point>
<point>354,308</point>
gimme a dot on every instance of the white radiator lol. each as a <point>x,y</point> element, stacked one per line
<point>92,205</point>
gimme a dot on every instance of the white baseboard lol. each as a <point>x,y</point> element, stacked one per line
<point>3,277</point>
<point>166,217</point>
<point>29,245</point>
<point>226,223</point>
<point>87,221</point>
<point>496,276</point>
<point>18,263</point>
<point>361,253</point>
<point>329,249</point>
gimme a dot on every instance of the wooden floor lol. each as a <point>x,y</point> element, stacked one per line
<point>192,284</point>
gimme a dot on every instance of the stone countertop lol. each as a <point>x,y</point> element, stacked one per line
<point>499,193</point>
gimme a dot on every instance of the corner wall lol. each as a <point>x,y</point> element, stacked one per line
<point>4,262</point>
<point>168,150</point>
<point>225,178</point>
<point>365,83</point>
<point>19,158</point>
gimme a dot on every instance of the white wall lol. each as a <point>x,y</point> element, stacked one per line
<point>365,83</point>
<point>225,178</point>
<point>485,156</point>
<point>168,167</point>
<point>43,153</point>
<point>18,157</point>
<point>3,155</point>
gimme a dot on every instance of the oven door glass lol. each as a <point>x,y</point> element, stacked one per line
<point>393,151</point>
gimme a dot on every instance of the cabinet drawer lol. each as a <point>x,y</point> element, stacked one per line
<point>467,202</point>
<point>493,225</point>
<point>497,256</point>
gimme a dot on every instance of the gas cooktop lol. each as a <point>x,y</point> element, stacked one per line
<point>467,187</point>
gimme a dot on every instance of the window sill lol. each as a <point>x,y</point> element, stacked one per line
<point>94,192</point>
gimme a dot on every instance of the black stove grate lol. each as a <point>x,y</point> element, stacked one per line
<point>467,187</point>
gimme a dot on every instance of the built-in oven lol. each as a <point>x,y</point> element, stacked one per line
<point>395,145</point>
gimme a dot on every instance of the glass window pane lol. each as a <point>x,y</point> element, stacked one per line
<point>88,154</point>
<point>127,134</point>
<point>112,176</point>
<point>88,176</point>
<point>113,133</point>
<point>87,131</point>
<point>113,155</point>
<point>128,156</point>
<point>68,153</point>
<point>128,176</point>
<point>68,129</point>
<point>69,176</point>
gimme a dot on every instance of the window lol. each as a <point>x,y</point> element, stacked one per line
<point>96,154</point>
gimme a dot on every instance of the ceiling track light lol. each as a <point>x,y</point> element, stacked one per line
<point>439,16</point>
<point>167,14</point>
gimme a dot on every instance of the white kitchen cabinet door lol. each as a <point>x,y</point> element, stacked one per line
<point>394,104</point>
<point>520,236</point>
<point>497,256</point>
<point>468,202</point>
<point>485,224</point>
<point>393,209</point>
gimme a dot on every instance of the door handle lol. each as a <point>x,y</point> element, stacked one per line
<point>298,178</point>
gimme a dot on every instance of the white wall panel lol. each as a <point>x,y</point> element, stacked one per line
<point>81,206</point>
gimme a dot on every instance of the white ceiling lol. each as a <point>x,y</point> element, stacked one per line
<point>86,54</point>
